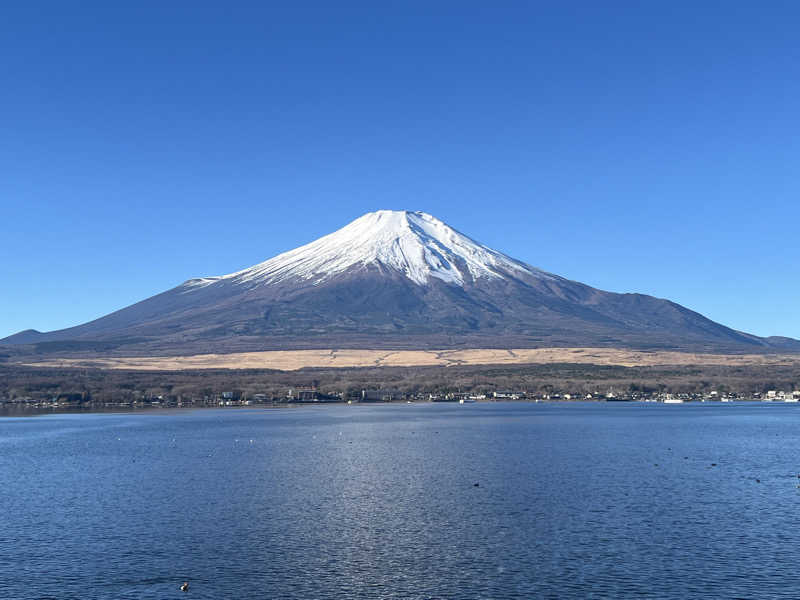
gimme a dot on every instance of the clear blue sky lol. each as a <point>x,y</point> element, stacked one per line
<point>634,146</point>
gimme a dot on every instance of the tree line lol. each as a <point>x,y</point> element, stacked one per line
<point>120,386</point>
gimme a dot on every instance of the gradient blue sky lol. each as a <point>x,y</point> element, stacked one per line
<point>634,146</point>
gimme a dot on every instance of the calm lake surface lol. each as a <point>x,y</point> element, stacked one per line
<point>574,501</point>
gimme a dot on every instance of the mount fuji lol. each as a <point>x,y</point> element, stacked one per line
<point>393,279</point>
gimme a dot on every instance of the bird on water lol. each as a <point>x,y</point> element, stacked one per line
<point>185,586</point>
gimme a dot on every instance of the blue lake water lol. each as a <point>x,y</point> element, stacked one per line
<point>574,501</point>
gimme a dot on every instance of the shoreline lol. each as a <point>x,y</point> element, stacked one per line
<point>25,410</point>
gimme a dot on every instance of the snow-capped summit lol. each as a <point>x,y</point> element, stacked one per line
<point>413,243</point>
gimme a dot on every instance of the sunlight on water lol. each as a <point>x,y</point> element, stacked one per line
<point>422,501</point>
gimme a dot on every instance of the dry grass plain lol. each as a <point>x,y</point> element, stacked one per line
<point>292,360</point>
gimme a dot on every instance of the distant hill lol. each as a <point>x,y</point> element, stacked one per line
<point>393,279</point>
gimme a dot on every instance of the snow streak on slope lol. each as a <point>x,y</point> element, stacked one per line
<point>413,243</point>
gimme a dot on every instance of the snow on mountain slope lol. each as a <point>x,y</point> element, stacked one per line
<point>413,243</point>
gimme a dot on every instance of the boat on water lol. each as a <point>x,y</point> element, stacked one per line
<point>467,401</point>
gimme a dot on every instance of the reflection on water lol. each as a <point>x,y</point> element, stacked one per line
<point>580,500</point>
